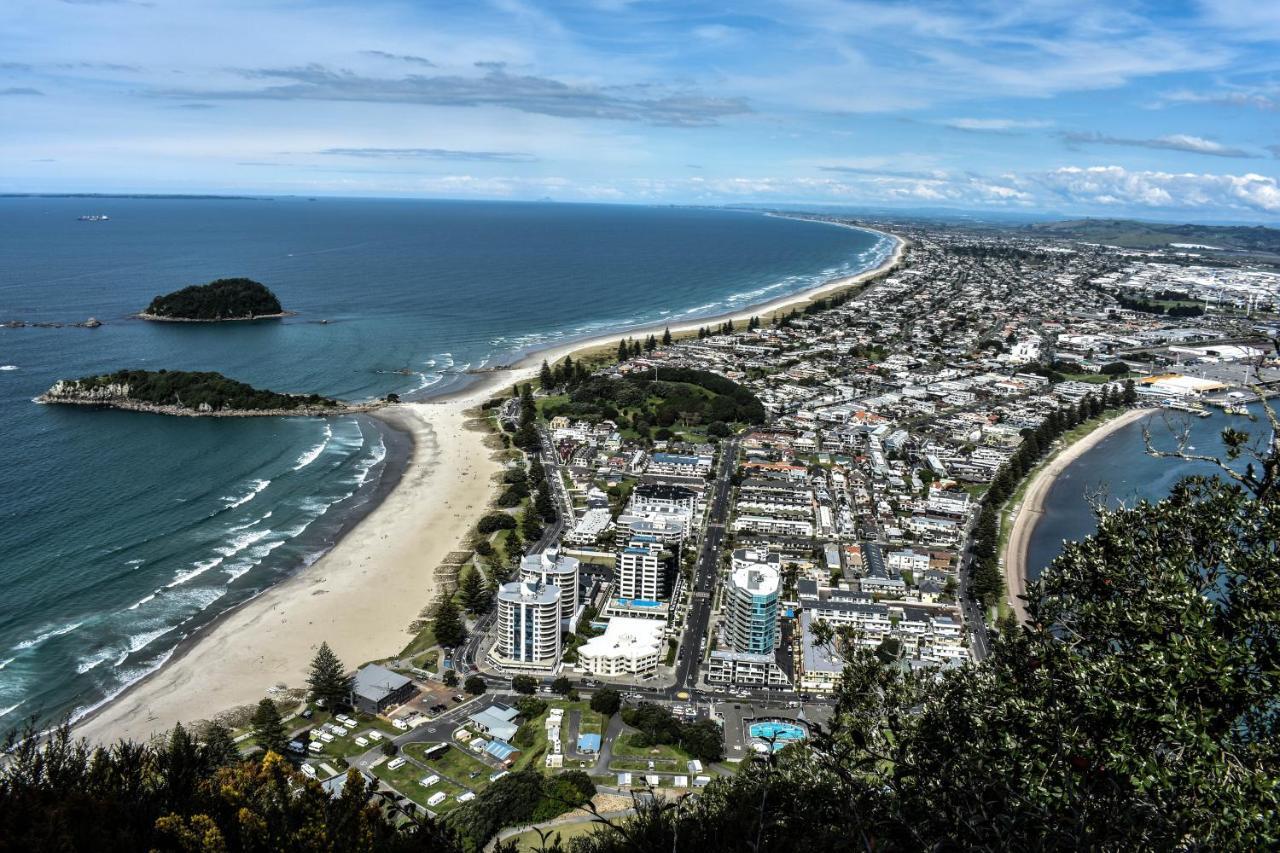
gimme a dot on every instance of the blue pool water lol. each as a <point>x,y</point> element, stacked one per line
<point>781,733</point>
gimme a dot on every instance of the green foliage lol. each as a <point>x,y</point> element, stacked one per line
<point>450,678</point>
<point>561,685</point>
<point>224,299</point>
<point>526,684</point>
<point>191,390</point>
<point>683,396</point>
<point>495,521</point>
<point>656,725</point>
<point>268,729</point>
<point>328,678</point>
<point>606,701</point>
<point>447,624</point>
<point>474,685</point>
<point>475,596</point>
<point>183,796</point>
<point>530,707</point>
<point>525,796</point>
<point>1136,711</point>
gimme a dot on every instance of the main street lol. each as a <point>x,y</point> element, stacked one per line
<point>707,568</point>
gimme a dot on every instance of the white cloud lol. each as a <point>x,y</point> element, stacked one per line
<point>996,125</point>
<point>1115,185</point>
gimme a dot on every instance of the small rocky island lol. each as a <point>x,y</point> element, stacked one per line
<point>177,392</point>
<point>224,300</point>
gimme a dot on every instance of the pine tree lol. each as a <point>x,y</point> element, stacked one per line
<point>623,352</point>
<point>531,525</point>
<point>1130,393</point>
<point>474,596</point>
<point>666,337</point>
<point>219,746</point>
<point>447,625</point>
<point>543,504</point>
<point>328,678</point>
<point>268,728</point>
<point>545,377</point>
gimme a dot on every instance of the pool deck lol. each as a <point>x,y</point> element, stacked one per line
<point>737,744</point>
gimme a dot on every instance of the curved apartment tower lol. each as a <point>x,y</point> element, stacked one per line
<point>528,624</point>
<point>552,569</point>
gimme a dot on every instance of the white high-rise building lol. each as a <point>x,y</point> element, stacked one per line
<point>642,570</point>
<point>751,609</point>
<point>551,568</point>
<point>528,624</point>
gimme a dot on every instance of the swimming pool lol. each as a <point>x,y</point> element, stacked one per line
<point>782,733</point>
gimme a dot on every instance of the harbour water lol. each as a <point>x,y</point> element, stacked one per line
<point>121,533</point>
<point>1118,470</point>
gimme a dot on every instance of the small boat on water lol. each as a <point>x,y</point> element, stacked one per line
<point>94,217</point>
<point>1235,409</point>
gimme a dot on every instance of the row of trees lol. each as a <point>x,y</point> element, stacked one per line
<point>655,725</point>
<point>567,373</point>
<point>987,581</point>
<point>629,348</point>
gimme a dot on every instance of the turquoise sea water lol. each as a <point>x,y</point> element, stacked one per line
<point>1118,470</point>
<point>120,533</point>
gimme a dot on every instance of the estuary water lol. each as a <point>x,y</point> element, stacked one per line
<point>120,533</point>
<point>1119,470</point>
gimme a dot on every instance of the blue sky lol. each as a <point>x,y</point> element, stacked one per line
<point>1162,109</point>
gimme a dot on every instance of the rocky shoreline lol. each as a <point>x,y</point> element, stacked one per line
<point>127,405</point>
<point>159,318</point>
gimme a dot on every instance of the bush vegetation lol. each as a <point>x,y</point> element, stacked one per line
<point>191,390</point>
<point>224,299</point>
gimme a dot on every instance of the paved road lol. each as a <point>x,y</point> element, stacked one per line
<point>706,569</point>
<point>564,509</point>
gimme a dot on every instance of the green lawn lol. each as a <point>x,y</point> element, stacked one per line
<point>530,840</point>
<point>624,747</point>
<point>456,763</point>
<point>592,722</point>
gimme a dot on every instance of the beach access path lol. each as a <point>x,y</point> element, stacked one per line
<point>1028,513</point>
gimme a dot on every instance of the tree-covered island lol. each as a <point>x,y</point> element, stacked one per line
<point>221,300</point>
<point>178,392</point>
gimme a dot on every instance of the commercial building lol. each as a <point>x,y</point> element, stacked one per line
<point>745,668</point>
<point>627,647</point>
<point>751,609</point>
<point>528,625</point>
<point>377,688</point>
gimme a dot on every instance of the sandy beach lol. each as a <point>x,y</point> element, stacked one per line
<point>527,368</point>
<point>1032,507</point>
<point>361,596</point>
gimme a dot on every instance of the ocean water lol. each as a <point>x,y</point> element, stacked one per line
<point>121,533</point>
<point>1118,470</point>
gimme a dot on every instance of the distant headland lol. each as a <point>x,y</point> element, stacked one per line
<point>224,300</point>
<point>192,394</point>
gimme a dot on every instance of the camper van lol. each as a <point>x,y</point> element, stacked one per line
<point>395,764</point>
<point>437,798</point>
